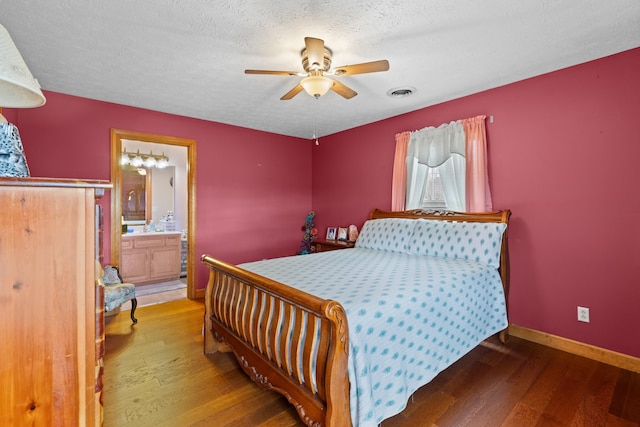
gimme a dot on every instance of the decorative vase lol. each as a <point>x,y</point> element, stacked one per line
<point>12,159</point>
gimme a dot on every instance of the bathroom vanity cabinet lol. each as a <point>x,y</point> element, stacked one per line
<point>150,257</point>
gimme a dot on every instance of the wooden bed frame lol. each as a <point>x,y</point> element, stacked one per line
<point>293,342</point>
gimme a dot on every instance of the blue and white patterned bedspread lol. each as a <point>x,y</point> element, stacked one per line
<point>409,316</point>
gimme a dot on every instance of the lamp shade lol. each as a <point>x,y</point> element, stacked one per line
<point>18,88</point>
<point>316,85</point>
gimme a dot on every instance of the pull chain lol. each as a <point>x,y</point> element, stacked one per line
<point>315,120</point>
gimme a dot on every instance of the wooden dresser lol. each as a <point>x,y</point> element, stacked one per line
<point>50,364</point>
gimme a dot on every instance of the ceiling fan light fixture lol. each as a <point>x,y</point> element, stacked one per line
<point>316,61</point>
<point>316,86</point>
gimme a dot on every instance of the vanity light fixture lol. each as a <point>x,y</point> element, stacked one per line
<point>138,159</point>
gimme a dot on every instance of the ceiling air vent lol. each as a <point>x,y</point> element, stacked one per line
<point>401,92</point>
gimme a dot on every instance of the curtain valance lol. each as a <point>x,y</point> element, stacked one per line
<point>432,146</point>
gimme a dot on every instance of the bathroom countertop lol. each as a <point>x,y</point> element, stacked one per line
<point>150,233</point>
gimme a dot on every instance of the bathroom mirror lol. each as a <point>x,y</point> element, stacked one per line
<point>147,194</point>
<point>136,195</point>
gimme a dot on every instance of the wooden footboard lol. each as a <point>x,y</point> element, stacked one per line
<point>284,339</point>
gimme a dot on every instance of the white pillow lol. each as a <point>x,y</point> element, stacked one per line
<point>386,234</point>
<point>474,241</point>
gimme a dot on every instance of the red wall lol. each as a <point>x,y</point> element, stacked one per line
<point>562,153</point>
<point>253,189</point>
<point>563,156</point>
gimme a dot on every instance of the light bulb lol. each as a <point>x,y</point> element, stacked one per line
<point>162,163</point>
<point>150,162</point>
<point>137,161</point>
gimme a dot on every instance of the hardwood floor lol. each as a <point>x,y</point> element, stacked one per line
<point>157,375</point>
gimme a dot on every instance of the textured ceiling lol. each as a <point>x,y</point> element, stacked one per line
<point>187,57</point>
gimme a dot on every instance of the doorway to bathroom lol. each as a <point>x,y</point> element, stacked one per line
<point>164,210</point>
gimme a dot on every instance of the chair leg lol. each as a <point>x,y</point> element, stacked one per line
<point>134,304</point>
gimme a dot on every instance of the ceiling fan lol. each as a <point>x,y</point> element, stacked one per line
<point>316,61</point>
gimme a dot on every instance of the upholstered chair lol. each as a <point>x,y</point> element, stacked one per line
<point>117,293</point>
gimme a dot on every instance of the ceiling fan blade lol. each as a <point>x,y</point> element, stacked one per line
<point>343,90</point>
<point>278,73</point>
<point>315,52</point>
<point>365,67</point>
<point>293,92</point>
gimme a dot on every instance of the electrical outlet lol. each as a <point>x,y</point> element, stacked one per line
<point>583,314</point>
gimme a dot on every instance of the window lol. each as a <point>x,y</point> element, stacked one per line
<point>436,159</point>
<point>433,196</point>
<point>418,151</point>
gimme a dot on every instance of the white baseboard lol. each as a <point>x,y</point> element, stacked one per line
<point>609,357</point>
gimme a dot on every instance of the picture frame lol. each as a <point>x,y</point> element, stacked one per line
<point>331,233</point>
<point>353,233</point>
<point>342,233</point>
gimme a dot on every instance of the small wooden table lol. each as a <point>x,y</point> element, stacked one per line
<point>332,245</point>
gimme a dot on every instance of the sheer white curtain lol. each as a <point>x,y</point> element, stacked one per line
<point>442,147</point>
